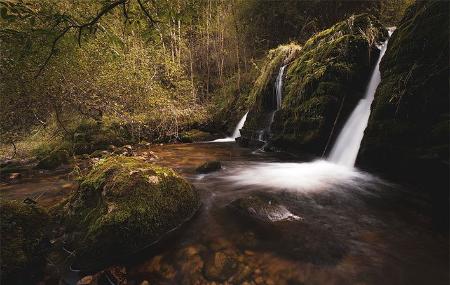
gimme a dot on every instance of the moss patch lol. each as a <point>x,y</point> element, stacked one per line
<point>22,236</point>
<point>124,205</point>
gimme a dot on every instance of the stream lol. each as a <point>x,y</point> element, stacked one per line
<point>320,223</point>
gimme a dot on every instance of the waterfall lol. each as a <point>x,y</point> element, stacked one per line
<point>279,86</point>
<point>236,132</point>
<point>346,147</point>
<point>278,97</point>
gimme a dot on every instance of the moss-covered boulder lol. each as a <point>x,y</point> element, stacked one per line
<point>23,240</point>
<point>323,83</point>
<point>122,206</point>
<point>408,132</point>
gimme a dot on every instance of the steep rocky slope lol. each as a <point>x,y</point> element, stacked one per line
<point>408,132</point>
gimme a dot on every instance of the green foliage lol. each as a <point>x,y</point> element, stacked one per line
<point>123,205</point>
<point>23,232</point>
<point>118,73</point>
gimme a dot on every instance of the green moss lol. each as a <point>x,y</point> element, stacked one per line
<point>23,232</point>
<point>409,120</point>
<point>124,205</point>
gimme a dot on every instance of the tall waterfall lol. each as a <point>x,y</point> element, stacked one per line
<point>236,132</point>
<point>279,86</point>
<point>346,147</point>
<point>278,97</point>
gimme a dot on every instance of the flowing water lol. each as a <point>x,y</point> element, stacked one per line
<point>321,223</point>
<point>236,132</point>
<point>346,147</point>
<point>265,133</point>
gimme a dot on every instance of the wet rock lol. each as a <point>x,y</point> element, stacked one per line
<point>285,232</point>
<point>209,166</point>
<point>220,266</point>
<point>122,206</point>
<point>23,241</point>
<point>263,209</point>
<point>162,268</point>
<point>407,137</point>
<point>87,280</point>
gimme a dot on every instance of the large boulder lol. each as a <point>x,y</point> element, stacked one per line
<point>407,137</point>
<point>122,206</point>
<point>23,242</point>
<point>409,119</point>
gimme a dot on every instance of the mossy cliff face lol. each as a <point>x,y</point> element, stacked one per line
<point>326,77</point>
<point>407,135</point>
<point>262,96</point>
<point>325,82</point>
<point>124,205</point>
<point>23,236</point>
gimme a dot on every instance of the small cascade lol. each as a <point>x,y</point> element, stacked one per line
<point>278,97</point>
<point>236,132</point>
<point>346,147</point>
<point>279,86</point>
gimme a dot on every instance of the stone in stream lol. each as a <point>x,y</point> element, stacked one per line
<point>287,232</point>
<point>209,166</point>
<point>124,205</point>
<point>23,242</point>
<point>220,266</point>
<point>263,209</point>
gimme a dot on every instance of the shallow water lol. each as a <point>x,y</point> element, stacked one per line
<point>334,225</point>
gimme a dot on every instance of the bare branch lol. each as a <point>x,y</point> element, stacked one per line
<point>151,20</point>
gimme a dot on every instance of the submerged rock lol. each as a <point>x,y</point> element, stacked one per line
<point>286,232</point>
<point>23,241</point>
<point>220,266</point>
<point>122,206</point>
<point>209,166</point>
<point>263,209</point>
